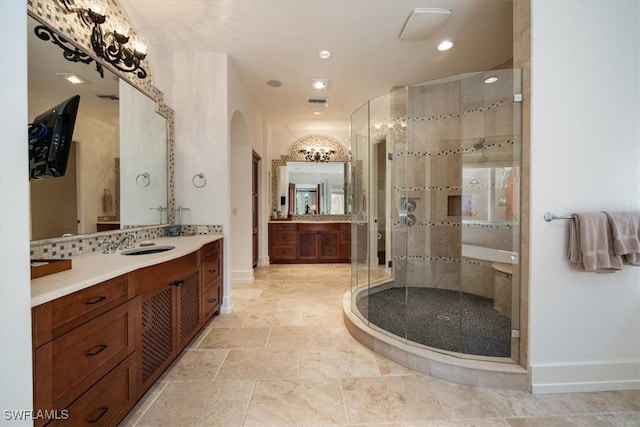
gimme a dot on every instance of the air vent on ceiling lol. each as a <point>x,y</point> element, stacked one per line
<point>318,101</point>
<point>424,23</point>
<point>108,96</point>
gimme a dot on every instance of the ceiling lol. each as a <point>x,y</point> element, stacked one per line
<point>281,39</point>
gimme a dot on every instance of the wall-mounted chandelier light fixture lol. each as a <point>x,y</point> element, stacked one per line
<point>317,155</point>
<point>115,46</point>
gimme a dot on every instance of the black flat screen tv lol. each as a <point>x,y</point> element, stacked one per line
<point>50,136</point>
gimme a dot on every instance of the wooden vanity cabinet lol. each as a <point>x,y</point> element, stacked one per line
<point>79,340</point>
<point>311,242</point>
<point>169,296</point>
<point>211,280</point>
<point>318,242</point>
<point>98,350</point>
<point>283,242</point>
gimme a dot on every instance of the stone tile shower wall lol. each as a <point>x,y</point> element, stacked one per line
<point>444,120</point>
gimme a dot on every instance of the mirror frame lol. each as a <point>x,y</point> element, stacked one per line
<point>76,34</point>
<point>316,141</point>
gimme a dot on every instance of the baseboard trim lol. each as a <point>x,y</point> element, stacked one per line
<point>242,276</point>
<point>263,261</point>
<point>586,377</point>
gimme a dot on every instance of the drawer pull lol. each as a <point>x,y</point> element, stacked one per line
<point>95,300</point>
<point>103,411</point>
<point>212,271</point>
<point>99,349</point>
<point>178,283</point>
<point>213,300</point>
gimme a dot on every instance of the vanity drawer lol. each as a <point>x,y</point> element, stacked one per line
<point>211,300</point>
<point>211,266</point>
<point>61,315</point>
<point>283,238</point>
<point>284,252</point>
<point>107,402</point>
<point>212,247</point>
<point>286,227</point>
<point>68,365</point>
<point>150,279</point>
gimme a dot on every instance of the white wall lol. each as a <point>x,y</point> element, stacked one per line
<point>15,290</point>
<point>202,143</point>
<point>585,156</point>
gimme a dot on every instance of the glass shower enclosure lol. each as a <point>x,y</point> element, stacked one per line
<point>436,203</point>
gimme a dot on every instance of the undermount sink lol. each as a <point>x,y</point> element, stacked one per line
<point>148,250</point>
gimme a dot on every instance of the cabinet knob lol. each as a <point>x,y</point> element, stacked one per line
<point>213,300</point>
<point>178,283</point>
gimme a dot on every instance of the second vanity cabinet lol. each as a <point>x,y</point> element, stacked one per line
<point>309,242</point>
<point>98,350</point>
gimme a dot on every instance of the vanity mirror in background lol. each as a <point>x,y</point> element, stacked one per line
<point>118,135</point>
<point>312,188</point>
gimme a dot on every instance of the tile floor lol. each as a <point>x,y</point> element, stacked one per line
<point>284,358</point>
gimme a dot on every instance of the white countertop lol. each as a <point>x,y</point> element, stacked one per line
<point>96,267</point>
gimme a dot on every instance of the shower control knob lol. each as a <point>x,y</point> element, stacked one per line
<point>410,220</point>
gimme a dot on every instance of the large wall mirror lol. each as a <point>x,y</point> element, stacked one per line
<point>117,175</point>
<point>300,186</point>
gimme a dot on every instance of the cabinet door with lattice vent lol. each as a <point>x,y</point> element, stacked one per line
<point>157,346</point>
<point>189,306</point>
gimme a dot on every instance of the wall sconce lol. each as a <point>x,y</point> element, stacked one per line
<point>317,155</point>
<point>112,45</point>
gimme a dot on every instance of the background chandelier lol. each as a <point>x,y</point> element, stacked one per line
<point>111,45</point>
<point>317,155</point>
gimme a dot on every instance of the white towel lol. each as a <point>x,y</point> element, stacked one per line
<point>591,243</point>
<point>625,229</point>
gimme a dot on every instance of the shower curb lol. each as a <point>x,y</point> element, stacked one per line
<point>451,368</point>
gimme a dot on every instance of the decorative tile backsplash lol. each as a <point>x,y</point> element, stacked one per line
<point>66,247</point>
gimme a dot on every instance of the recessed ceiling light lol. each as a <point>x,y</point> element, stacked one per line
<point>491,79</point>
<point>71,78</point>
<point>317,113</point>
<point>274,83</point>
<point>324,54</point>
<point>319,84</point>
<point>445,45</point>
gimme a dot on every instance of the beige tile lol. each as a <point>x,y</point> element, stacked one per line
<point>296,403</point>
<point>235,338</point>
<point>606,401</point>
<point>200,403</point>
<point>299,337</point>
<point>388,399</point>
<point>337,363</point>
<point>196,365</point>
<point>143,404</point>
<point>489,422</point>
<point>463,401</point>
<point>260,364</point>
<point>231,320</point>
<point>277,318</point>
<point>596,420</point>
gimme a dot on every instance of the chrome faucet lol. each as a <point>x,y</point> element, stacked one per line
<point>113,247</point>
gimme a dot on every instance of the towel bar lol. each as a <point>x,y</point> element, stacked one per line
<point>550,216</point>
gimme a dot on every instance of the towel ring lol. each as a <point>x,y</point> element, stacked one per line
<point>202,180</point>
<point>143,179</point>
